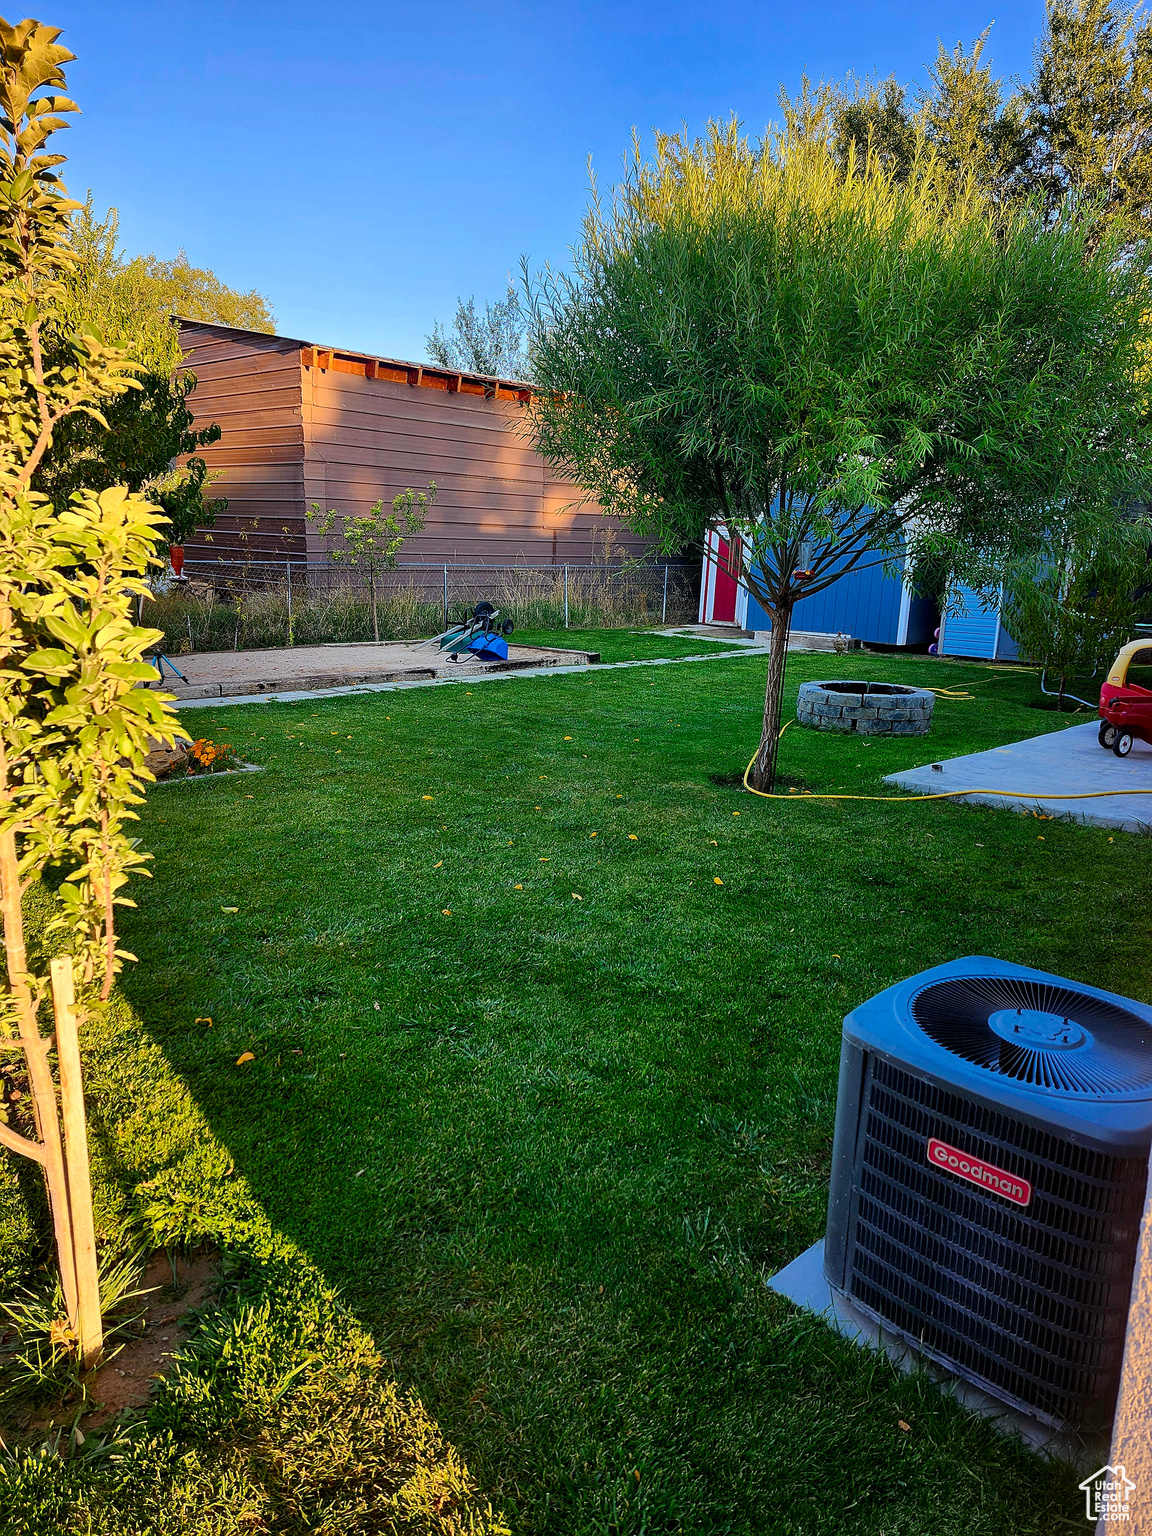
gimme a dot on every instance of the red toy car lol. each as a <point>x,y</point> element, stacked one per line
<point>1126,708</point>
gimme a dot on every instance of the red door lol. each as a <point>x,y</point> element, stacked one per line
<point>724,589</point>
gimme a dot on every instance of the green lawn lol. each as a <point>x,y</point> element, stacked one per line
<point>623,644</point>
<point>547,1101</point>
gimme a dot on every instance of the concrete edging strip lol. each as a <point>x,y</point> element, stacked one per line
<point>202,778</point>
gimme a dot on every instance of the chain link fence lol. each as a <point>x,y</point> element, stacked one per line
<point>256,604</point>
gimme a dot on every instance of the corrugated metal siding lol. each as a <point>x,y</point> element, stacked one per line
<point>969,625</point>
<point>250,384</point>
<point>865,604</point>
<point>368,439</point>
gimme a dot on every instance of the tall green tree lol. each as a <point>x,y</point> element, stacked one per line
<point>131,299</point>
<point>836,367</point>
<point>1079,129</point>
<point>136,441</point>
<point>491,343</point>
<point>874,118</point>
<point>963,115</point>
<point>971,129</point>
<point>140,435</point>
<point>1089,112</point>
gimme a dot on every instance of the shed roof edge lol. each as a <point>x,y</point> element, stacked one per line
<point>351,352</point>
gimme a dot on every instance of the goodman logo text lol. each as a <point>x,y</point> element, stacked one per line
<point>977,1171</point>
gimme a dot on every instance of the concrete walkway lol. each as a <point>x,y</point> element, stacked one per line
<point>1068,762</point>
<point>215,675</point>
<point>731,634</point>
<point>723,634</point>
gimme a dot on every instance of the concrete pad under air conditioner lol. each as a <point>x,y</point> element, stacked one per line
<point>803,1283</point>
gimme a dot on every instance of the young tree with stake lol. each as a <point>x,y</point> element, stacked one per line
<point>837,368</point>
<point>74,722</point>
<point>372,543</point>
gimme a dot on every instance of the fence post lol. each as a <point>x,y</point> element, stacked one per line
<point>288,573</point>
<point>664,609</point>
<point>445,597</point>
<point>565,597</point>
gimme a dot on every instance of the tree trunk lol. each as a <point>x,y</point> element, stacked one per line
<point>1060,695</point>
<point>763,772</point>
<point>375,620</point>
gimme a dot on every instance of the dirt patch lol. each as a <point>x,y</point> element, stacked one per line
<point>235,674</point>
<point>125,1381</point>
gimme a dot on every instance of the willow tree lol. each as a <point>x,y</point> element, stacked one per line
<point>836,368</point>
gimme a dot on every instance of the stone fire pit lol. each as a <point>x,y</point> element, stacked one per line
<point>870,709</point>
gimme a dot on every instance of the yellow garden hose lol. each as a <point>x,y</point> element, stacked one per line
<point>947,794</point>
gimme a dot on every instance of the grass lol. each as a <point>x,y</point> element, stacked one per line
<point>281,1415</point>
<point>623,644</point>
<point>547,1102</point>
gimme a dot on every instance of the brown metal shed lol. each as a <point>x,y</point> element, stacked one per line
<point>303,424</point>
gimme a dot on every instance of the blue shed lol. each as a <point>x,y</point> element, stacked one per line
<point>871,605</point>
<point>973,626</point>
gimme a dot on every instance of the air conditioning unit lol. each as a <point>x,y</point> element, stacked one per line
<point>989,1172</point>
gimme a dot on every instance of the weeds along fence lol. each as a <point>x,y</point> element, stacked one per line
<point>238,605</point>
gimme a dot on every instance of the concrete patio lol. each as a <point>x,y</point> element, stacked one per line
<point>1034,774</point>
<point>234,674</point>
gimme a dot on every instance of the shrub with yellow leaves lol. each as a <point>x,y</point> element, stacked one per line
<point>75,724</point>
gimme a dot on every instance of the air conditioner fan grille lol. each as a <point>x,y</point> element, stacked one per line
<point>1039,1033</point>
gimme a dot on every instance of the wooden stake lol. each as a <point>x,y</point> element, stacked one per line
<point>91,1327</point>
<point>43,1089</point>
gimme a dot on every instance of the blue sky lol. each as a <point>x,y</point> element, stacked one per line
<point>362,165</point>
